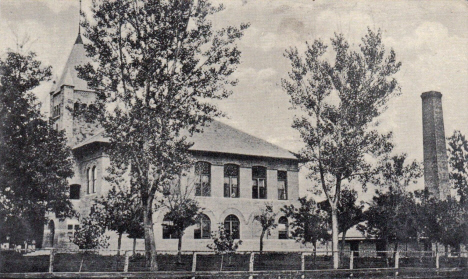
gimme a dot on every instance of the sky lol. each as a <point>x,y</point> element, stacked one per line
<point>430,38</point>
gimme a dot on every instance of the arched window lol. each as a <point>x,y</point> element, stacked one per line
<point>88,180</point>
<point>283,228</point>
<point>231,181</point>
<point>203,179</point>
<point>168,229</point>
<point>259,183</point>
<point>94,179</point>
<point>232,226</point>
<point>203,228</point>
<point>75,192</point>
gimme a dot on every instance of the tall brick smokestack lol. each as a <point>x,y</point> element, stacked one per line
<point>436,175</point>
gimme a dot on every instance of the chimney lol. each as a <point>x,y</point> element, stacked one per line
<point>436,175</point>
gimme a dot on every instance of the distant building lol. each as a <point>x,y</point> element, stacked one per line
<point>236,174</point>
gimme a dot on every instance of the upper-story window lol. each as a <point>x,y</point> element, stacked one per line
<point>88,180</point>
<point>259,183</point>
<point>203,228</point>
<point>94,179</point>
<point>282,185</point>
<point>231,181</point>
<point>75,192</point>
<point>203,179</point>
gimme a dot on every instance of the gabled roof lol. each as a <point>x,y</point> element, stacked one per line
<point>222,138</point>
<point>70,74</point>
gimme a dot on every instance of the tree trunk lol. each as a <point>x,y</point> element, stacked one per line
<point>343,239</point>
<point>179,249</point>
<point>261,241</point>
<point>335,239</point>
<point>119,244</point>
<point>150,244</point>
<point>315,255</point>
<point>134,245</point>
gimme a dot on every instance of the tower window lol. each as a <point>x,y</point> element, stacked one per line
<point>75,192</point>
<point>259,186</point>
<point>88,180</point>
<point>94,179</point>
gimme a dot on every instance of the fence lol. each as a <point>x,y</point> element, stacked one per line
<point>253,262</point>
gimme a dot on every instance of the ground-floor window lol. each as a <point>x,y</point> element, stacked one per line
<point>283,228</point>
<point>203,228</point>
<point>232,226</point>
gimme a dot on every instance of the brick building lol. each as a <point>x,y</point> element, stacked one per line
<point>237,173</point>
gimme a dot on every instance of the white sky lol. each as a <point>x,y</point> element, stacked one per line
<point>429,37</point>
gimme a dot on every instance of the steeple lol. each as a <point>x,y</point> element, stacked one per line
<point>78,39</point>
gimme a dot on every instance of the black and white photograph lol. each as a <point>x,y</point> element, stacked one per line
<point>241,139</point>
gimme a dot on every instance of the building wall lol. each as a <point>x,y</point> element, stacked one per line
<point>217,207</point>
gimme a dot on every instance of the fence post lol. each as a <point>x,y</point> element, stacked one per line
<point>397,262</point>
<point>302,262</point>
<point>51,260</point>
<point>437,260</point>
<point>251,264</point>
<point>127,260</point>
<point>194,262</point>
<point>351,260</point>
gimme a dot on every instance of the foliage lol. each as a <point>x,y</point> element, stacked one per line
<point>266,218</point>
<point>157,66</point>
<point>392,213</point>
<point>443,221</point>
<point>35,162</point>
<point>223,243</point>
<point>120,211</point>
<point>183,211</point>
<point>395,175</point>
<point>310,222</point>
<point>392,217</point>
<point>458,162</point>
<point>340,102</point>
<point>90,235</point>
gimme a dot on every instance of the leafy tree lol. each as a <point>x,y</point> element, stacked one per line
<point>392,213</point>
<point>266,218</point>
<point>443,221</point>
<point>391,217</point>
<point>157,66</point>
<point>35,162</point>
<point>309,222</point>
<point>119,209</point>
<point>183,212</point>
<point>223,243</point>
<point>350,212</point>
<point>91,235</point>
<point>340,102</point>
<point>458,162</point>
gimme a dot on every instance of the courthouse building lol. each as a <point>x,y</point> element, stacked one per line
<point>236,173</point>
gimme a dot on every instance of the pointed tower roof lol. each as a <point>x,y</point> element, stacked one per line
<point>70,74</point>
